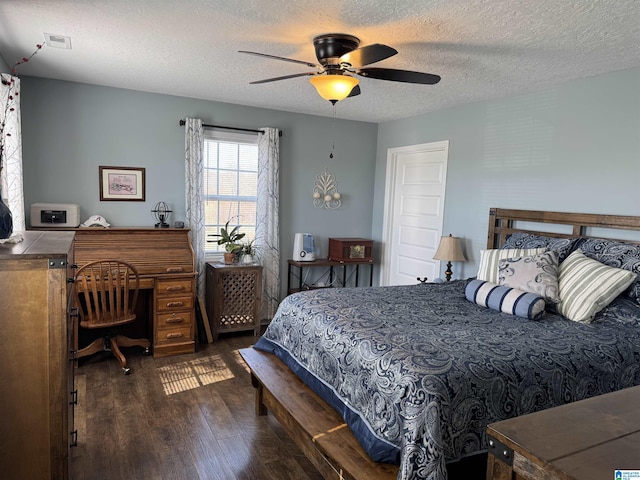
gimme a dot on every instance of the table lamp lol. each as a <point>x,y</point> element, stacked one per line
<point>449,250</point>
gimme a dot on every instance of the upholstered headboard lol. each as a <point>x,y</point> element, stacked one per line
<point>502,222</point>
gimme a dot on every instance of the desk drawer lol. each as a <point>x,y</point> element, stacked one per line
<point>177,334</point>
<point>174,320</point>
<point>171,304</point>
<point>174,286</point>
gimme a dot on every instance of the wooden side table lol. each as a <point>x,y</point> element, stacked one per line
<point>233,297</point>
<point>330,264</point>
<point>585,440</point>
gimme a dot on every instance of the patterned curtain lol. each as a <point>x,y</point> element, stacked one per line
<point>194,194</point>
<point>267,230</point>
<point>11,185</point>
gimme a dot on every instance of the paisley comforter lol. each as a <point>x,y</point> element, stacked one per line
<point>418,371</point>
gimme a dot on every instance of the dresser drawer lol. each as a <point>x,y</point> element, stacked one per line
<point>177,334</point>
<point>170,304</point>
<point>173,320</point>
<point>174,286</point>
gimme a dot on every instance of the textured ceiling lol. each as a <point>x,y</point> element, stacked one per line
<point>481,48</point>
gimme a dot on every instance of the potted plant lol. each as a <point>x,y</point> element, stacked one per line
<point>248,252</point>
<point>230,239</point>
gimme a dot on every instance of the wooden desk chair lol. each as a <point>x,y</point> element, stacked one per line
<point>107,292</point>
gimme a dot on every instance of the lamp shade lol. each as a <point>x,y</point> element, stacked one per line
<point>334,87</point>
<point>450,249</point>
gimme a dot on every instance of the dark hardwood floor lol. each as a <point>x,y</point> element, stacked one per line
<point>186,417</point>
<point>130,427</point>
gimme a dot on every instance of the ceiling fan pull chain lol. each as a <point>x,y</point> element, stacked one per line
<point>333,132</point>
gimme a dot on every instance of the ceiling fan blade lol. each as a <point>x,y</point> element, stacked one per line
<point>275,79</point>
<point>367,55</point>
<point>405,76</point>
<point>274,57</point>
<point>355,91</point>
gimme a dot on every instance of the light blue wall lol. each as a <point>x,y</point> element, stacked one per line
<point>572,148</point>
<point>69,129</point>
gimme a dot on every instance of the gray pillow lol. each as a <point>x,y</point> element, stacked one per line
<point>534,273</point>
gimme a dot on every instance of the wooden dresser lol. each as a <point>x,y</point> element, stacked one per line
<point>36,378</point>
<point>586,440</point>
<point>166,264</point>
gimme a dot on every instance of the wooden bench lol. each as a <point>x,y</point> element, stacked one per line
<point>316,428</point>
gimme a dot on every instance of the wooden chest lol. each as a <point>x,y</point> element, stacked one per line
<point>585,440</point>
<point>350,249</point>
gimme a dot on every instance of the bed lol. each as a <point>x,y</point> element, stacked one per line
<point>418,372</point>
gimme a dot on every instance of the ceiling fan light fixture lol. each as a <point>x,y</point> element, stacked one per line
<point>334,87</point>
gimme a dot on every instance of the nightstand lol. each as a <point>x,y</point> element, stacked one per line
<point>233,297</point>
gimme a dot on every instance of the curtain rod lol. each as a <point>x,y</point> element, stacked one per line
<point>206,125</point>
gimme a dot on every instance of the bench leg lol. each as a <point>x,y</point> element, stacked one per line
<point>261,409</point>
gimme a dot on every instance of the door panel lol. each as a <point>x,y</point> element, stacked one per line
<point>414,212</point>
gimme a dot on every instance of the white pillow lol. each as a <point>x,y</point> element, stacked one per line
<point>490,260</point>
<point>536,274</point>
<point>587,286</point>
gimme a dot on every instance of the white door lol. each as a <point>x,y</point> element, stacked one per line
<point>414,212</point>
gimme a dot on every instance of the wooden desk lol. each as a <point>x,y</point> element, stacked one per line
<point>585,440</point>
<point>166,265</point>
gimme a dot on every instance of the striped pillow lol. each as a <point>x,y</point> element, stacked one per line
<point>490,260</point>
<point>587,286</point>
<point>505,299</point>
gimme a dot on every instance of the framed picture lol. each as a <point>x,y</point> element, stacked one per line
<point>121,184</point>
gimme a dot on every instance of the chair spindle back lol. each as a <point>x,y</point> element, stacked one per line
<point>107,292</point>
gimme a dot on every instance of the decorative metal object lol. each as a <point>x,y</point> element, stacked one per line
<point>325,191</point>
<point>161,213</point>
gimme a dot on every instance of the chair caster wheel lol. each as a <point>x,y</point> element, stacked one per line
<point>147,351</point>
<point>126,370</point>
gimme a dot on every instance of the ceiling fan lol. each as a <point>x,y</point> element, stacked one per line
<point>340,55</point>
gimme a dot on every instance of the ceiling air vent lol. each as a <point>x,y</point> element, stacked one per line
<point>57,41</point>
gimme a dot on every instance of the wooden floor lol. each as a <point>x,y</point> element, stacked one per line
<point>130,427</point>
<point>185,417</point>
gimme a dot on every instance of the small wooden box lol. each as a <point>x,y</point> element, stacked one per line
<point>350,249</point>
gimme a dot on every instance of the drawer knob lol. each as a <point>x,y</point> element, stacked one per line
<point>175,288</point>
<point>174,335</point>
<point>174,269</point>
<point>175,319</point>
<point>175,304</point>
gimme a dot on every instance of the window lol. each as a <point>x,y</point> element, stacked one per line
<point>230,184</point>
